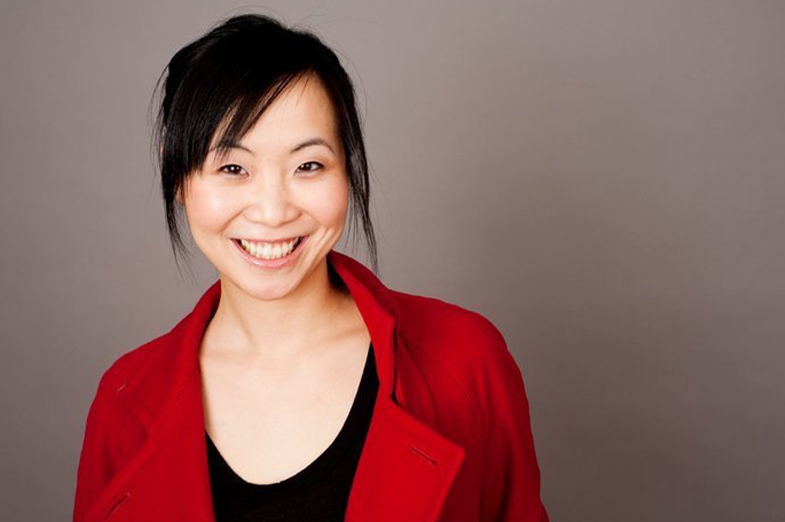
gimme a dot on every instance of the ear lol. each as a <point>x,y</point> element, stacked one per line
<point>178,195</point>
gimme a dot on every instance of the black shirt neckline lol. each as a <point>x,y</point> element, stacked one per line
<point>359,414</point>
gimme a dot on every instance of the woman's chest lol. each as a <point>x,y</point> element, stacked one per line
<point>268,425</point>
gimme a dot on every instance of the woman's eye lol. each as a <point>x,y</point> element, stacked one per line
<point>312,166</point>
<point>231,169</point>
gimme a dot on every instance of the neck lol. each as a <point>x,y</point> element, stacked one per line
<point>278,331</point>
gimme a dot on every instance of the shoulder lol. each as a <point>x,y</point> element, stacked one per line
<point>129,370</point>
<point>430,319</point>
<point>463,343</point>
<point>133,362</point>
<point>433,316</point>
<point>454,334</point>
<point>113,429</point>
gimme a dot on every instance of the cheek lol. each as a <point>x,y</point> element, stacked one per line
<point>329,204</point>
<point>207,209</point>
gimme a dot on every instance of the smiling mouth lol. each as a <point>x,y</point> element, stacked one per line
<point>269,251</point>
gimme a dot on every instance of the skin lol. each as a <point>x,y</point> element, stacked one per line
<point>282,358</point>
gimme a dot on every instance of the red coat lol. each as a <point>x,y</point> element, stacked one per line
<point>449,439</point>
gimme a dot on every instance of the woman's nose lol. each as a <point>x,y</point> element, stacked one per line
<point>270,203</point>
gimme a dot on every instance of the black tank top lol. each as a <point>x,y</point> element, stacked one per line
<point>317,493</point>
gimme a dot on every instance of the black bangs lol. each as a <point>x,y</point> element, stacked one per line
<point>217,87</point>
<point>240,112</point>
<point>227,82</point>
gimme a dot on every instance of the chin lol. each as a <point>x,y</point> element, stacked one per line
<point>268,289</point>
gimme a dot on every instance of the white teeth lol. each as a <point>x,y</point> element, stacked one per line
<point>269,250</point>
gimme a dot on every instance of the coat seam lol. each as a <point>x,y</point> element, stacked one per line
<point>458,382</point>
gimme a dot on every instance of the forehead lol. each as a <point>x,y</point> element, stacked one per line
<point>302,110</point>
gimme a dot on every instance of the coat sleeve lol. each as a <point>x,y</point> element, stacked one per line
<point>511,482</point>
<point>108,438</point>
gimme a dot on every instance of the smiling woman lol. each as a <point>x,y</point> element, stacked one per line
<point>285,180</point>
<point>220,86</point>
<point>299,387</point>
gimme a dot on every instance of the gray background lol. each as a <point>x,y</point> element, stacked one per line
<point>602,179</point>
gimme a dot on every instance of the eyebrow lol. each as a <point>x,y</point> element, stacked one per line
<point>307,143</point>
<point>311,143</point>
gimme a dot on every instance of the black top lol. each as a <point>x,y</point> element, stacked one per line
<point>317,493</point>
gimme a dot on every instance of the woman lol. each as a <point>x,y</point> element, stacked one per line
<point>299,387</point>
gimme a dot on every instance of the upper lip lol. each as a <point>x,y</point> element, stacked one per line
<point>269,240</point>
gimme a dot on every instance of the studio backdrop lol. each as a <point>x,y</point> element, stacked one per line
<point>603,180</point>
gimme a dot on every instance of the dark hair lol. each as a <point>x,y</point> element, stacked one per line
<point>231,75</point>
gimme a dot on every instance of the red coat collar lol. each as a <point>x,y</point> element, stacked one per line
<point>404,473</point>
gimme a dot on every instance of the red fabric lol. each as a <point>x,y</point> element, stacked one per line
<point>449,440</point>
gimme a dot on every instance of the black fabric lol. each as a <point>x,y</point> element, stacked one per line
<point>319,492</point>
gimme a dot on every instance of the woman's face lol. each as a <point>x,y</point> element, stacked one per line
<point>286,179</point>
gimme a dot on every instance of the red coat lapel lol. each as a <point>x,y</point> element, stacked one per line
<point>405,471</point>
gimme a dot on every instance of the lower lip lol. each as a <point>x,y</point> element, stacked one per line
<point>281,262</point>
